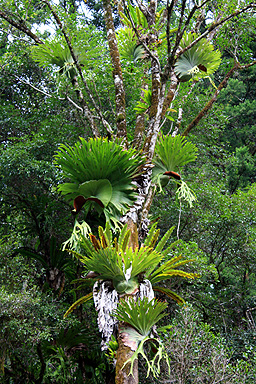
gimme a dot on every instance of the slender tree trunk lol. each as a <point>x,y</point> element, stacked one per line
<point>117,71</point>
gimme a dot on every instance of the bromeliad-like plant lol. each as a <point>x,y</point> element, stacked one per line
<point>199,61</point>
<point>100,173</point>
<point>171,154</point>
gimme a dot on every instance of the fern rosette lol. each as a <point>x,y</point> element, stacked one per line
<point>101,174</point>
<point>171,154</point>
<point>199,61</point>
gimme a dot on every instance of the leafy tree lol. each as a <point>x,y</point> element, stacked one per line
<point>175,50</point>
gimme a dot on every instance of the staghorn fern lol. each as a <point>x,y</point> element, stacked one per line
<point>57,53</point>
<point>129,49</point>
<point>172,153</point>
<point>197,62</point>
<point>141,315</point>
<point>100,174</point>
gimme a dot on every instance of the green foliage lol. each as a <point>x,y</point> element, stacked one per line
<point>240,168</point>
<point>125,267</point>
<point>101,172</point>
<point>144,105</point>
<point>185,193</point>
<point>192,360</point>
<point>197,62</point>
<point>117,261</point>
<point>86,47</point>
<point>142,314</point>
<point>152,365</point>
<point>168,269</point>
<point>138,18</point>
<point>129,49</point>
<point>56,53</point>
<point>172,153</point>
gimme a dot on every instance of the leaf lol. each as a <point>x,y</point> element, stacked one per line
<point>100,189</point>
<point>80,301</point>
<point>101,171</point>
<point>198,61</point>
<point>169,293</point>
<point>141,314</point>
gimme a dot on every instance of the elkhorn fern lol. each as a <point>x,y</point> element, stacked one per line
<point>197,62</point>
<point>100,174</point>
<point>57,53</point>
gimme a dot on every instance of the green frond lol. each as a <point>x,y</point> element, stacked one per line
<point>168,270</point>
<point>170,294</point>
<point>80,301</point>
<point>150,235</point>
<point>172,153</point>
<point>119,263</point>
<point>144,105</point>
<point>100,174</point>
<point>153,365</point>
<point>161,244</point>
<point>56,53</point>
<point>186,193</point>
<point>170,273</point>
<point>141,315</point>
<point>199,61</point>
<point>129,48</point>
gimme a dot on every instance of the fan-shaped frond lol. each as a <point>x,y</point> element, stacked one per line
<point>101,175</point>
<point>172,153</point>
<point>129,48</point>
<point>197,62</point>
<point>57,53</point>
<point>141,315</point>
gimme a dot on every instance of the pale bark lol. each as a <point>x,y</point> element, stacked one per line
<point>140,122</point>
<point>117,71</point>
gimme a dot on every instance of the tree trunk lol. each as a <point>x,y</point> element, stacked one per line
<point>123,354</point>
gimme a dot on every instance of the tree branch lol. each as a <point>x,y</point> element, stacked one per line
<point>214,26</point>
<point>60,25</point>
<point>21,26</point>
<point>208,106</point>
